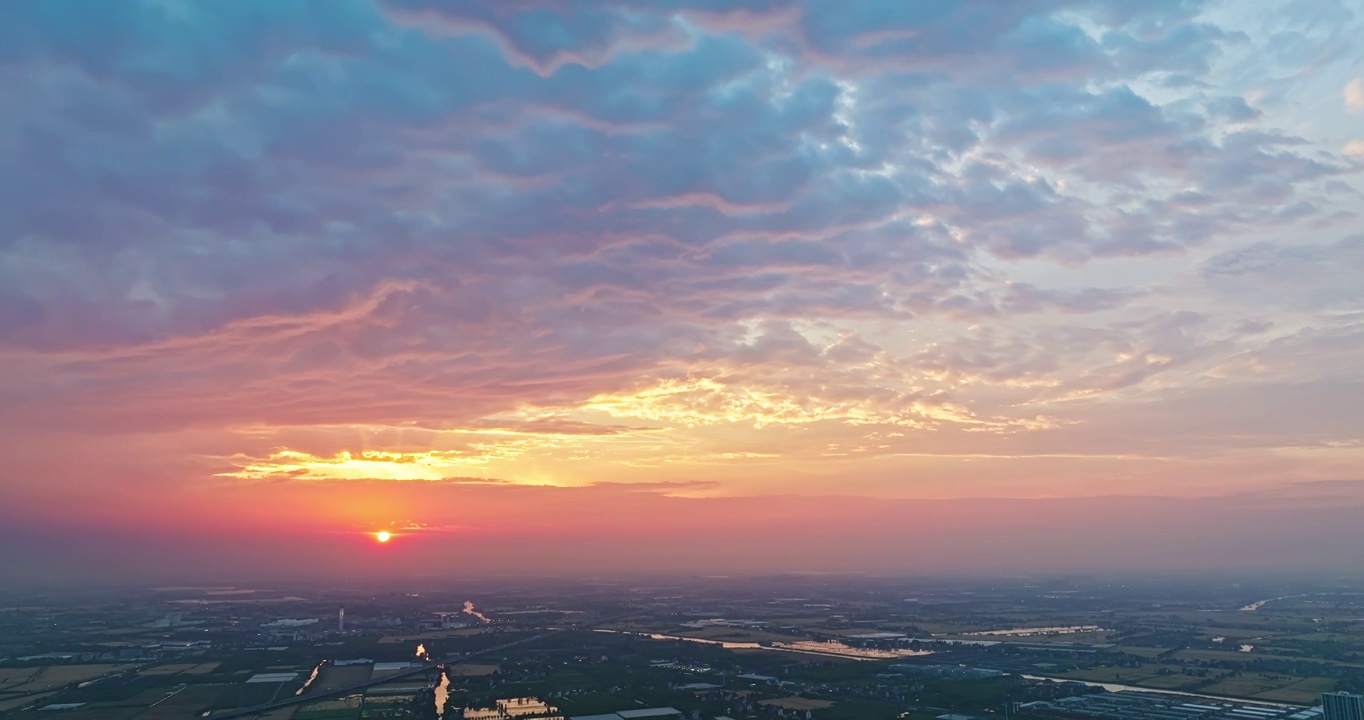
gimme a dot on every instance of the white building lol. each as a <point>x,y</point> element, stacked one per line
<point>1342,706</point>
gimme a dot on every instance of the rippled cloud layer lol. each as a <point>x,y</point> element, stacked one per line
<point>1036,248</point>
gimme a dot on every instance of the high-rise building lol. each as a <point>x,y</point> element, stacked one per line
<point>1342,706</point>
<point>341,624</point>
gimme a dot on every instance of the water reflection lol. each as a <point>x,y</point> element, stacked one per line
<point>312,677</point>
<point>807,647</point>
<point>1119,687</point>
<point>1033,631</point>
<point>518,707</point>
<point>703,641</point>
<point>469,610</point>
<point>442,695</point>
<point>832,647</point>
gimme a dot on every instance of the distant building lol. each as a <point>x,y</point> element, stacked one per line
<point>663,713</point>
<point>1342,706</point>
<point>275,677</point>
<point>1143,705</point>
<point>755,677</point>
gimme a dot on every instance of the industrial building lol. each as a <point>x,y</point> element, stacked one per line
<point>1342,706</point>
<point>1133,705</point>
<point>664,713</point>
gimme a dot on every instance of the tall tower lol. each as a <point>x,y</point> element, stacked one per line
<point>341,623</point>
<point>1342,706</point>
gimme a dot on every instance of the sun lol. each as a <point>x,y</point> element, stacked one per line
<point>383,536</point>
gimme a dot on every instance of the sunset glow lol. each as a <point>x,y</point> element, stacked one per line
<point>627,286</point>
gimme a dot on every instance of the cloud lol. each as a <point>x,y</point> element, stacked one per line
<point>1353,93</point>
<point>430,466</point>
<point>564,243</point>
<point>1234,109</point>
<point>1319,276</point>
<point>290,140</point>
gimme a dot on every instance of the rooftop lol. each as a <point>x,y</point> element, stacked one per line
<point>661,712</point>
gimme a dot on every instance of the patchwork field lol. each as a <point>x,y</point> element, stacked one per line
<point>1143,652</point>
<point>203,668</point>
<point>168,669</point>
<point>10,703</point>
<point>1277,688</point>
<point>334,678</point>
<point>345,708</point>
<point>16,676</point>
<point>798,703</point>
<point>731,634</point>
<point>280,714</point>
<point>432,635</point>
<point>56,676</point>
<point>471,670</point>
<point>1304,692</point>
<point>93,712</point>
<point>1131,675</point>
<point>190,702</point>
<point>1196,655</point>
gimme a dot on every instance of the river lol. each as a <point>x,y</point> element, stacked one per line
<point>312,677</point>
<point>469,609</point>
<point>1115,687</point>
<point>1033,631</point>
<point>805,647</point>
<point>442,694</point>
<point>1261,603</point>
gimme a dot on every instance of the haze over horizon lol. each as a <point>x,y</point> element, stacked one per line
<point>688,285</point>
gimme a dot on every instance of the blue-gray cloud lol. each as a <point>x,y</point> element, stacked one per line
<point>536,201</point>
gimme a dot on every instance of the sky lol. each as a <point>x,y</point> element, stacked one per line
<point>616,286</point>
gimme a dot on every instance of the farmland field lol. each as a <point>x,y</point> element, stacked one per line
<point>798,703</point>
<point>55,676</point>
<point>344,708</point>
<point>471,670</point>
<point>335,678</point>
